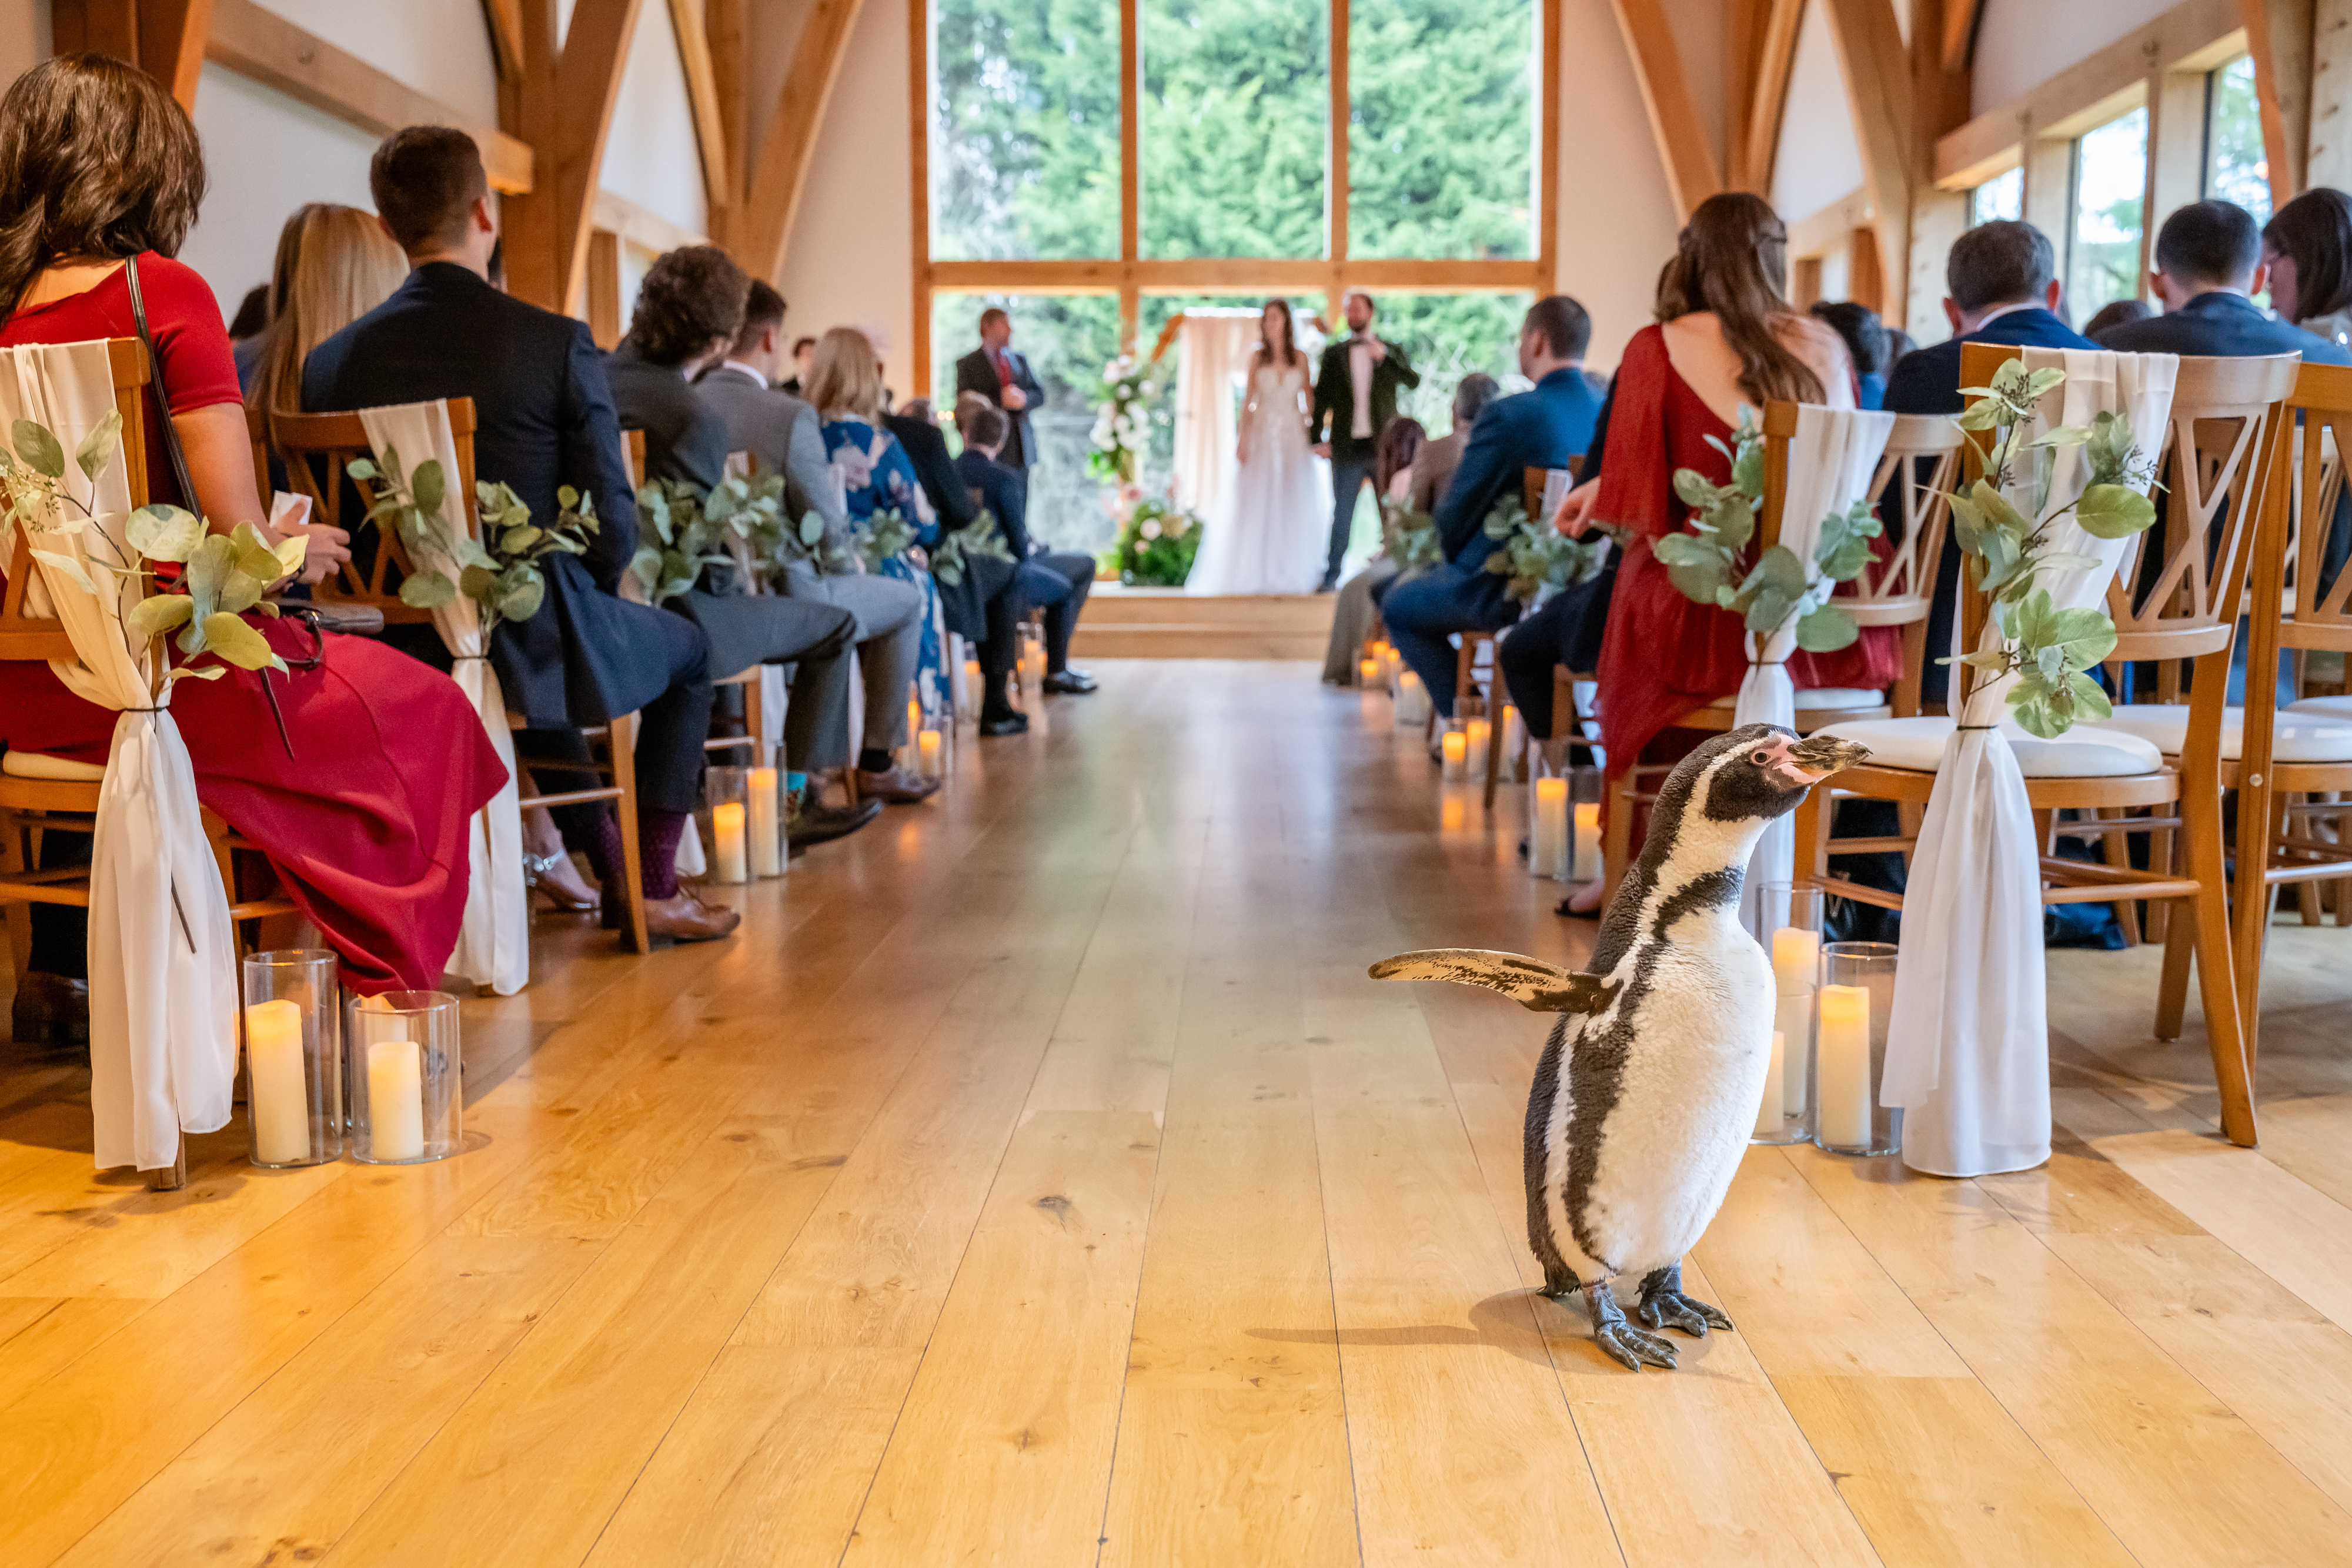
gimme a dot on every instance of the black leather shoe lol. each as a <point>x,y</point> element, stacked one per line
<point>823,824</point>
<point>1069,682</point>
<point>51,1009</point>
<point>1014,723</point>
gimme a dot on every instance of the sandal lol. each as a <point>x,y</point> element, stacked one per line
<point>538,874</point>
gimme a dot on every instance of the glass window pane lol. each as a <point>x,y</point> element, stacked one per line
<point>1068,339</point>
<point>2002,197</point>
<point>2110,183</point>
<point>1446,337</point>
<point>1236,99</point>
<point>1025,128</point>
<point>2236,168</point>
<point>1442,96</point>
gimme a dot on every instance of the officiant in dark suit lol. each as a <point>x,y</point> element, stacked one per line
<point>1356,392</point>
<point>996,373</point>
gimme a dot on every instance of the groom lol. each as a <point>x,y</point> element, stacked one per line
<point>1357,390</point>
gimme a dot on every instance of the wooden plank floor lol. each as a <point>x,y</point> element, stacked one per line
<point>1037,1180</point>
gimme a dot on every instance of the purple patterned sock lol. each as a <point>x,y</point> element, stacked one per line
<point>603,846</point>
<point>657,836</point>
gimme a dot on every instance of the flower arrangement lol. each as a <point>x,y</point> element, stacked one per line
<point>1122,419</point>
<point>982,538</point>
<point>224,576</point>
<point>2050,650</point>
<point>1539,562</point>
<point>499,571</point>
<point>1706,562</point>
<point>1156,546</point>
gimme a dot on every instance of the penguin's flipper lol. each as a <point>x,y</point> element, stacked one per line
<point>1539,987</point>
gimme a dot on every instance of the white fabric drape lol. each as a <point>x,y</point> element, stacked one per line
<point>1213,349</point>
<point>1831,458</point>
<point>1967,1042</point>
<point>163,956</point>
<point>494,939</point>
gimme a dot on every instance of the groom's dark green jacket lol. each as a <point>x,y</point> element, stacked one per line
<point>1335,396</point>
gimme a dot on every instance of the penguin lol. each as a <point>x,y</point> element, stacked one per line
<point>1647,1091</point>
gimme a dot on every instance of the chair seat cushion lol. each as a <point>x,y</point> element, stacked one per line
<point>2295,737</point>
<point>1917,744</point>
<point>1822,699</point>
<point>57,770</point>
<point>2337,708</point>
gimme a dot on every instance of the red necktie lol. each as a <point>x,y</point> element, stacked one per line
<point>1004,369</point>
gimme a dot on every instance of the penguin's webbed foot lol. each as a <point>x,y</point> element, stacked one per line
<point>1619,1338</point>
<point>1664,1305</point>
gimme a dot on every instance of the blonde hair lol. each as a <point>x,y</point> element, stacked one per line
<point>334,265</point>
<point>844,376</point>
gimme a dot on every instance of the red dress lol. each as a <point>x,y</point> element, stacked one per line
<point>1663,655</point>
<point>366,823</point>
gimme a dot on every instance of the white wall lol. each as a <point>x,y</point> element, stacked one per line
<point>440,48</point>
<point>2022,44</point>
<point>24,37</point>
<point>1819,161</point>
<point>650,156</point>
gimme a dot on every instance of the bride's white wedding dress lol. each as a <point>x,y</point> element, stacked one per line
<point>1272,522</point>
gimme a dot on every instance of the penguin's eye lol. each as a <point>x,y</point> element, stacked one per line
<point>1762,758</point>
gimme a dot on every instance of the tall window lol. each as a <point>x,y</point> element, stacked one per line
<point>2002,197</point>
<point>1236,111</point>
<point>1450,179</point>
<point>2103,235</point>
<point>2236,167</point>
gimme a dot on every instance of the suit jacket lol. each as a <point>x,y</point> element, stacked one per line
<point>975,373</point>
<point>1001,492</point>
<point>963,605</point>
<point>1335,396</point>
<point>1542,427</point>
<point>685,439</point>
<point>2221,325</point>
<point>1433,467</point>
<point>543,414</point>
<point>784,436</point>
<point>1927,381</point>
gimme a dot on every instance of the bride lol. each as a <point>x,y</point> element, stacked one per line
<point>1268,531</point>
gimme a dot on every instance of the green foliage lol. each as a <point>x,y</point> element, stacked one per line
<point>1537,557</point>
<point>980,540</point>
<point>499,571</point>
<point>884,534</point>
<point>1442,99</point>
<point>1156,546</point>
<point>1409,537</point>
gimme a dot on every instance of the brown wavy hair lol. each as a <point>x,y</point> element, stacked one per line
<point>1290,354</point>
<point>96,161</point>
<point>1733,259</point>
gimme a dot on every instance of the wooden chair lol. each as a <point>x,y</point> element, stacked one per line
<point>2218,463</point>
<point>317,447</point>
<point>1922,458</point>
<point>49,794</point>
<point>1497,705</point>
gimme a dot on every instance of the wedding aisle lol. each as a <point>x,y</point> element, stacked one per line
<point>1038,1180</point>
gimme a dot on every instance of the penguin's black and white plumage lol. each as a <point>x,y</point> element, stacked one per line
<point>1647,1091</point>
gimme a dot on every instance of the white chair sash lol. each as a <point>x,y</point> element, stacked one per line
<point>494,938</point>
<point>1967,1041</point>
<point>162,956</point>
<point>1831,458</point>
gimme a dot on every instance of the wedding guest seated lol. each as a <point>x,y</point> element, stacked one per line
<point>1541,428</point>
<point>1396,466</point>
<point>2307,245</point>
<point>1866,346</point>
<point>2209,264</point>
<point>1057,582</point>
<point>334,265</point>
<point>780,433</point>
<point>543,414</point>
<point>1567,629</point>
<point>2116,313</point>
<point>985,606</point>
<point>689,308</point>
<point>361,804</point>
<point>1433,465</point>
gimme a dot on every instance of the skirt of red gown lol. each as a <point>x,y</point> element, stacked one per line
<point>365,823</point>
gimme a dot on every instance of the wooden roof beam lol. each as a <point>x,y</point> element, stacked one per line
<point>165,39</point>
<point>1877,71</point>
<point>1767,96</point>
<point>773,193</point>
<point>1692,173</point>
<point>686,20</point>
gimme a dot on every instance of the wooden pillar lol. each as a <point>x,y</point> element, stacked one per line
<point>2175,156</point>
<point>2330,162</point>
<point>919,178</point>
<point>603,290</point>
<point>526,109</point>
<point>1940,79</point>
<point>1130,163</point>
<point>165,39</point>
<point>2279,35</point>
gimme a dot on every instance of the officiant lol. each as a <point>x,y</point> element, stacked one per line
<point>1356,394</point>
<point>996,373</point>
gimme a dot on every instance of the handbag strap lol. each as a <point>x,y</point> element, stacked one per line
<point>155,371</point>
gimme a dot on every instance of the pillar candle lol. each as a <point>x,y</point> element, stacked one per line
<point>1796,963</point>
<point>1587,867</point>
<point>1368,670</point>
<point>928,749</point>
<point>1842,1049</point>
<point>1479,733</point>
<point>1453,746</point>
<point>281,1097</point>
<point>971,685</point>
<point>767,852</point>
<point>1409,698</point>
<point>1547,846</point>
<point>727,827</point>
<point>1768,1111</point>
<point>396,1099</point>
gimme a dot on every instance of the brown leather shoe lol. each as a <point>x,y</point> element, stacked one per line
<point>897,786</point>
<point>687,918</point>
<point>51,1009</point>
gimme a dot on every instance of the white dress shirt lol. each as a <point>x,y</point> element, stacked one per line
<point>1359,372</point>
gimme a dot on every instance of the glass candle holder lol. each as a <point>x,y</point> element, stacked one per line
<point>1585,859</point>
<point>1787,923</point>
<point>408,1099</point>
<point>765,822</point>
<point>293,1057</point>
<point>728,791</point>
<point>1857,992</point>
<point>1549,849</point>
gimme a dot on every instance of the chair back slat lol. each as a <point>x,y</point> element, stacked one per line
<point>317,448</point>
<point>636,442</point>
<point>1923,452</point>
<point>24,635</point>
<point>2313,611</point>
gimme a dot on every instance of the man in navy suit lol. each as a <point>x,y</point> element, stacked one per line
<point>1004,377</point>
<point>2209,260</point>
<point>1541,428</point>
<point>544,418</point>
<point>1058,583</point>
<point>2001,287</point>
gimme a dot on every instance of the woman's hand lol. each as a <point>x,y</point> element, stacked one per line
<point>1575,515</point>
<point>1241,451</point>
<point>328,548</point>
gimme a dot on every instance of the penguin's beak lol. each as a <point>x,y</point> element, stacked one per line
<point>1800,765</point>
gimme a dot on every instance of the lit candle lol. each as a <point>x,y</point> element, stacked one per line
<point>1547,847</point>
<point>281,1097</point>
<point>971,685</point>
<point>1587,866</point>
<point>727,827</point>
<point>767,855</point>
<point>927,749</point>
<point>1369,670</point>
<point>1768,1109</point>
<point>396,1099</point>
<point>1844,1050</point>
<point>1481,735</point>
<point>1453,746</point>
<point>1409,699</point>
<point>1796,962</point>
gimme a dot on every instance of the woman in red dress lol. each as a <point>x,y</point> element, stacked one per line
<point>362,802</point>
<point>1725,335</point>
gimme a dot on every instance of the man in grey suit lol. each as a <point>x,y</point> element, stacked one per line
<point>780,433</point>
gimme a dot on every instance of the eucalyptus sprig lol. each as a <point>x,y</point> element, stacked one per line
<point>884,534</point>
<point>981,539</point>
<point>1409,537</point>
<point>1708,563</point>
<point>2050,650</point>
<point>499,571</point>
<point>1536,558</point>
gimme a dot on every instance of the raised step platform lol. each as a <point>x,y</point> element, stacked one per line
<point>1123,623</point>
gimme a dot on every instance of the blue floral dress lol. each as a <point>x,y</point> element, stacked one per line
<point>875,476</point>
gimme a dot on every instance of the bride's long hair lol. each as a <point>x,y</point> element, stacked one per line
<point>1733,259</point>
<point>1288,355</point>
